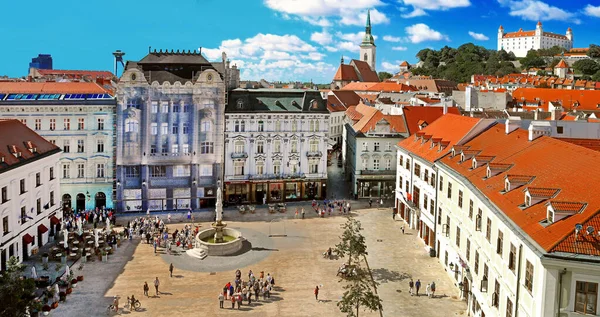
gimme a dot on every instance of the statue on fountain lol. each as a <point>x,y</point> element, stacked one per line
<point>219,225</point>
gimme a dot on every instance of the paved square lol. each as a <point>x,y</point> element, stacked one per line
<point>296,263</point>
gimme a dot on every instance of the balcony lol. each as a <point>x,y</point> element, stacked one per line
<point>311,154</point>
<point>241,155</point>
<point>376,172</point>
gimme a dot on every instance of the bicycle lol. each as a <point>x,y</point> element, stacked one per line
<point>111,308</point>
<point>136,304</point>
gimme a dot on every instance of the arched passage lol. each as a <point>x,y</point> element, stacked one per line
<point>66,201</point>
<point>100,200</point>
<point>80,203</point>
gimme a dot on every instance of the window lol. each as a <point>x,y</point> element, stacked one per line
<point>449,190</point>
<point>100,170</point>
<point>460,198</point>
<point>186,108</point>
<point>431,207</point>
<point>388,146</point>
<point>66,146</point>
<point>458,236</point>
<point>314,145</point>
<point>485,272</point>
<point>158,171</point>
<point>313,166</point>
<point>512,257</point>
<point>509,307</point>
<point>276,167</point>
<point>100,124</point>
<point>239,146</point>
<point>294,125</point>
<point>132,171</point>
<point>22,186</point>
<point>471,209</point>
<point>100,146</point>
<point>311,125</point>
<point>52,124</point>
<point>186,128</point>
<point>38,179</point>
<point>154,107</point>
<point>261,126</point>
<point>559,130</point>
<point>165,149</point>
<point>441,187</point>
<point>488,230</point>
<point>236,126</point>
<point>205,126</point>
<point>23,215</point>
<point>425,201</point>
<point>81,124</point>
<point>476,265</point>
<point>260,168</point>
<point>154,128</point>
<point>38,206</point>
<point>181,171</point>
<point>4,194</point>
<point>417,170</point>
<point>277,146</point>
<point>439,215</point>
<point>496,296</point>
<point>468,252</point>
<point>185,148</point>
<point>80,146</point>
<point>164,128</point>
<point>499,243</point>
<point>206,170</point>
<point>38,124</point>
<point>529,276</point>
<point>376,147</point>
<point>51,173</point>
<point>365,164</point>
<point>175,128</point>
<point>478,220</point>
<point>67,124</point>
<point>80,170</point>
<point>294,146</point>
<point>260,147</point>
<point>586,296</point>
<point>133,126</point>
<point>176,107</point>
<point>207,148</point>
<point>400,160</point>
<point>277,125</point>
<point>52,198</point>
<point>152,149</point>
<point>375,164</point>
<point>164,107</point>
<point>175,148</point>
<point>317,126</point>
<point>426,176</point>
<point>238,168</point>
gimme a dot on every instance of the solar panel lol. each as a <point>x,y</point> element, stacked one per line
<point>2,96</point>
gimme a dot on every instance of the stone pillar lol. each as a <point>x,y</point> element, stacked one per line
<point>170,121</point>
<point>194,172</point>
<point>170,200</point>
<point>145,178</point>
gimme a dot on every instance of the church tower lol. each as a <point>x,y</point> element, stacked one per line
<point>367,47</point>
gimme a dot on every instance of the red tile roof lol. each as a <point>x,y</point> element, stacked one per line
<point>51,88</point>
<point>570,99</point>
<point>365,71</point>
<point>554,177</point>
<point>391,87</point>
<point>359,86</point>
<point>18,138</point>
<point>592,144</point>
<point>76,73</point>
<point>371,116</point>
<point>413,114</point>
<point>519,33</point>
<point>567,206</point>
<point>583,243</point>
<point>404,63</point>
<point>561,64</point>
<point>450,128</point>
<point>346,73</point>
<point>353,114</point>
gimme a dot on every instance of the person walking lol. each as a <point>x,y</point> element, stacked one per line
<point>156,284</point>
<point>171,269</point>
<point>317,292</point>
<point>302,212</point>
<point>411,285</point>
<point>428,290</point>
<point>146,288</point>
<point>370,202</point>
<point>418,286</point>
<point>232,302</point>
<point>393,215</point>
<point>169,218</point>
<point>432,289</point>
<point>296,214</point>
<point>221,300</point>
<point>116,303</point>
<point>402,229</point>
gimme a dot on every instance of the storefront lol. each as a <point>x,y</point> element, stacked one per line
<point>275,192</point>
<point>259,193</point>
<point>293,191</point>
<point>375,188</point>
<point>236,192</point>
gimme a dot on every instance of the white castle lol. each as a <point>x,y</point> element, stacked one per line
<point>521,42</point>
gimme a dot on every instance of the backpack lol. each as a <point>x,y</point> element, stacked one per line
<point>272,281</point>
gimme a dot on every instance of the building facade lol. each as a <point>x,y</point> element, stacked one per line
<point>79,118</point>
<point>338,102</point>
<point>521,42</point>
<point>367,46</point>
<point>275,145</point>
<point>170,121</point>
<point>30,191</point>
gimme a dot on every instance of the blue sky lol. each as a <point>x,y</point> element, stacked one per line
<point>271,39</point>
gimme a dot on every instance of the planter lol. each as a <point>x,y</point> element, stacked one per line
<point>69,291</point>
<point>74,285</point>
<point>80,278</point>
<point>46,313</point>
<point>105,258</point>
<point>54,305</point>
<point>45,258</point>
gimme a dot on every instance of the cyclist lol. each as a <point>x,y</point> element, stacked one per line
<point>132,303</point>
<point>116,303</point>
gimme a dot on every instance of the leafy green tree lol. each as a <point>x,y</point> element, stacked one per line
<point>586,66</point>
<point>532,60</point>
<point>359,293</point>
<point>384,76</point>
<point>16,293</point>
<point>594,51</point>
<point>353,243</point>
<point>596,76</point>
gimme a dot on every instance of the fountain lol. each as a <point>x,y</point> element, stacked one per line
<point>217,240</point>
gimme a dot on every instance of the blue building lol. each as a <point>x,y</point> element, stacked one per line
<point>42,61</point>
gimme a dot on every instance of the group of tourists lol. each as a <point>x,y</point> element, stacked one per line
<point>97,217</point>
<point>331,206</point>
<point>243,290</point>
<point>429,290</point>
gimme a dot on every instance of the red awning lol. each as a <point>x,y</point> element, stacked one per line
<point>27,238</point>
<point>54,220</point>
<point>42,229</point>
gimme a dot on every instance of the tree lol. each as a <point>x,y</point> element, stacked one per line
<point>596,76</point>
<point>586,66</point>
<point>16,293</point>
<point>594,51</point>
<point>532,60</point>
<point>384,76</point>
<point>359,293</point>
<point>353,243</point>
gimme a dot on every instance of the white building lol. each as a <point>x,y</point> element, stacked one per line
<point>516,231</point>
<point>79,118</point>
<point>30,191</point>
<point>338,102</point>
<point>521,42</point>
<point>275,145</point>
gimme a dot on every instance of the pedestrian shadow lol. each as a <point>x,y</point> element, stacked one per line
<point>324,300</point>
<point>263,249</point>
<point>178,276</point>
<point>165,293</point>
<point>384,275</point>
<point>278,289</point>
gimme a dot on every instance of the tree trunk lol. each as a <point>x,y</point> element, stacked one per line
<point>357,307</point>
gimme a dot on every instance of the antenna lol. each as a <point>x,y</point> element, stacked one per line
<point>118,58</point>
<point>590,230</point>
<point>578,228</point>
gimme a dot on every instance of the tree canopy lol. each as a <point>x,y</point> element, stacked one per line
<point>16,293</point>
<point>384,76</point>
<point>586,66</point>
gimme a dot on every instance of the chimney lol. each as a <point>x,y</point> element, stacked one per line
<point>556,113</point>
<point>537,130</point>
<point>535,115</point>
<point>445,105</point>
<point>512,123</point>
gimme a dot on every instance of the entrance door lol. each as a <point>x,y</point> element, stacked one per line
<point>100,200</point>
<point>25,247</point>
<point>437,253</point>
<point>465,289</point>
<point>66,201</point>
<point>3,261</point>
<point>80,203</point>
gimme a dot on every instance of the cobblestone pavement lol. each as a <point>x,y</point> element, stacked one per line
<point>296,263</point>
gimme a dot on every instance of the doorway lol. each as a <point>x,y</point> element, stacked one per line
<point>100,200</point>
<point>66,201</point>
<point>80,204</point>
<point>3,261</point>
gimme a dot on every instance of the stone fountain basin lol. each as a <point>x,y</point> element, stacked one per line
<point>225,248</point>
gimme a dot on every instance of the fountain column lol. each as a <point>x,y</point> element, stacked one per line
<point>219,225</point>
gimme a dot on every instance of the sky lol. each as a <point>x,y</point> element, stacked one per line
<point>278,40</point>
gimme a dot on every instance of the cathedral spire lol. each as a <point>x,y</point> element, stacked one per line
<point>369,21</point>
<point>368,39</point>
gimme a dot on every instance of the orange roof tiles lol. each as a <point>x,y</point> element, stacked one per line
<point>18,138</point>
<point>353,114</point>
<point>391,87</point>
<point>364,71</point>
<point>359,85</point>
<point>592,144</point>
<point>413,114</point>
<point>530,158</point>
<point>519,33</point>
<point>570,99</point>
<point>519,178</point>
<point>583,242</point>
<point>51,88</point>
<point>567,206</point>
<point>345,73</point>
<point>76,73</point>
<point>371,116</point>
<point>561,64</point>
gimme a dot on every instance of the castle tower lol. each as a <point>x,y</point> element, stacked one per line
<point>367,47</point>
<point>570,37</point>
<point>538,29</point>
<point>500,36</point>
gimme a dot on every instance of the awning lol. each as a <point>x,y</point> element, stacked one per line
<point>54,220</point>
<point>27,238</point>
<point>42,229</point>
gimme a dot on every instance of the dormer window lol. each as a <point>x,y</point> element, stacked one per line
<point>534,195</point>
<point>550,215</point>
<point>474,164</point>
<point>527,200</point>
<point>506,186</point>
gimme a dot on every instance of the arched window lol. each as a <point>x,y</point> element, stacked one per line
<point>239,146</point>
<point>316,125</point>
<point>131,125</point>
<point>365,57</point>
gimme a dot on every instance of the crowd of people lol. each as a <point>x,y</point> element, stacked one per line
<point>331,206</point>
<point>416,286</point>
<point>153,230</point>
<point>243,290</point>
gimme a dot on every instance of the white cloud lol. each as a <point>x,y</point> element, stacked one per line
<point>313,11</point>
<point>592,11</point>
<point>419,6</point>
<point>331,49</point>
<point>399,48</point>
<point>348,46</point>
<point>535,10</point>
<point>391,67</point>
<point>353,37</point>
<point>390,38</point>
<point>323,38</point>
<point>478,36</point>
<point>420,32</point>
